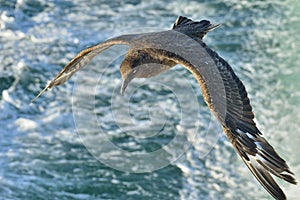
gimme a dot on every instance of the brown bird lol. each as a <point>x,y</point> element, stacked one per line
<point>153,53</point>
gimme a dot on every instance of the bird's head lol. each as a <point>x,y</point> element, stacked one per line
<point>142,64</point>
<point>193,28</point>
<point>128,73</point>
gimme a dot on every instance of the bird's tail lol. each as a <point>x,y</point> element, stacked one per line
<point>262,160</point>
<point>195,28</point>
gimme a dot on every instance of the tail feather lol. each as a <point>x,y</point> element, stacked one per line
<point>193,28</point>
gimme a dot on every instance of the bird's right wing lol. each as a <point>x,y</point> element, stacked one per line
<point>227,98</point>
<point>83,58</point>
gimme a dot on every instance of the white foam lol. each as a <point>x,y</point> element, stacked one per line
<point>24,124</point>
<point>6,97</point>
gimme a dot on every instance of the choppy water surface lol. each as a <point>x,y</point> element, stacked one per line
<point>48,150</point>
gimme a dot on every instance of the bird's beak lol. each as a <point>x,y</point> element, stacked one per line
<point>213,27</point>
<point>125,82</point>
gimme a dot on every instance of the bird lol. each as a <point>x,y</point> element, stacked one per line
<point>151,54</point>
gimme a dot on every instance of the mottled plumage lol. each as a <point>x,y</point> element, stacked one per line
<point>153,53</point>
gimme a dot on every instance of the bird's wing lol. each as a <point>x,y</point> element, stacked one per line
<point>227,98</point>
<point>83,58</point>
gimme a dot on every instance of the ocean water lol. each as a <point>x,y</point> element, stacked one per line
<point>83,140</point>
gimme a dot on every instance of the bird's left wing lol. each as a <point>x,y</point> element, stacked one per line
<point>83,58</point>
<point>227,98</point>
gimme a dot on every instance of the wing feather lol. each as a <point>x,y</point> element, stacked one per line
<point>238,122</point>
<point>83,58</point>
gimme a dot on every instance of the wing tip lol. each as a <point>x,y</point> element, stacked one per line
<point>263,161</point>
<point>40,93</point>
<point>264,177</point>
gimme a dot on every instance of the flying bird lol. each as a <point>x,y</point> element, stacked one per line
<point>152,53</point>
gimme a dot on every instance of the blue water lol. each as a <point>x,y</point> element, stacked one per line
<point>83,140</point>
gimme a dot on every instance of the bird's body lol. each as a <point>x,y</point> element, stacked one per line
<point>153,53</point>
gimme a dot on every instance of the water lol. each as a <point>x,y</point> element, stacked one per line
<point>48,150</point>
